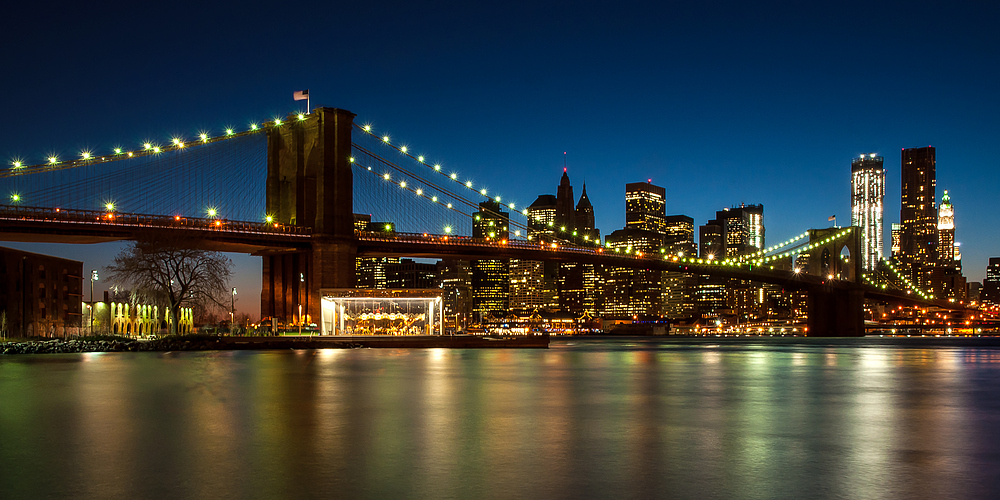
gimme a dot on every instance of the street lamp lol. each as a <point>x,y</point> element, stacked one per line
<point>93,278</point>
<point>302,279</point>
<point>232,311</point>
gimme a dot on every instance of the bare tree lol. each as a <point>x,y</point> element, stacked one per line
<point>173,270</point>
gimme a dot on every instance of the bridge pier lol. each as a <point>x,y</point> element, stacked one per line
<point>310,183</point>
<point>836,313</point>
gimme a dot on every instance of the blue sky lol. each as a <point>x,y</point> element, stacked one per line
<point>720,102</point>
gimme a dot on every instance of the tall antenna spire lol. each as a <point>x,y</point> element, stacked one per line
<point>564,161</point>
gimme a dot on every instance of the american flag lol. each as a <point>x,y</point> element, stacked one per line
<point>301,95</point>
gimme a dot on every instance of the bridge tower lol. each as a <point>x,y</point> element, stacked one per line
<point>836,308</point>
<point>309,183</point>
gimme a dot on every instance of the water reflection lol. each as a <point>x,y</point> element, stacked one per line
<point>607,419</point>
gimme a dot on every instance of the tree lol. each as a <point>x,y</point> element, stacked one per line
<point>173,270</point>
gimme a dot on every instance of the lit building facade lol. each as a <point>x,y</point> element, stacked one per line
<point>454,278</point>
<point>918,237</point>
<point>679,288</point>
<point>636,293</point>
<point>527,285</point>
<point>490,277</point>
<point>946,279</point>
<point>990,292</point>
<point>372,272</point>
<point>867,198</point>
<point>645,207</point>
<point>947,248</point>
<point>631,293</point>
<point>734,231</point>
<point>542,216</point>
<point>896,249</point>
<point>408,273</point>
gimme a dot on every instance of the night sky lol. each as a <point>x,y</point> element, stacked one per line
<point>722,103</point>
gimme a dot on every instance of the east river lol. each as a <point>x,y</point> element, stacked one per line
<point>587,418</point>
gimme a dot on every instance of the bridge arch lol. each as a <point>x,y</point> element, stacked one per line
<point>835,255</point>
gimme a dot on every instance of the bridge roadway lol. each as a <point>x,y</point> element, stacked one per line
<point>54,225</point>
<point>379,244</point>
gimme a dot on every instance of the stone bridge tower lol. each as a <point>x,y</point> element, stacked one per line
<point>836,309</point>
<point>310,183</point>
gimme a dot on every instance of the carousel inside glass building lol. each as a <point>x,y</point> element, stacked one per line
<point>381,312</point>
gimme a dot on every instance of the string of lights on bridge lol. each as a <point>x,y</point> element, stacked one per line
<point>771,248</point>
<point>436,167</point>
<point>436,199</point>
<point>89,157</point>
<point>805,248</point>
<point>906,281</point>
<point>421,193</point>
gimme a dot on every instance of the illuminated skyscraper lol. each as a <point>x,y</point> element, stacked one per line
<point>897,231</point>
<point>918,237</point>
<point>372,272</point>
<point>534,283</point>
<point>735,231</point>
<point>490,277</point>
<point>631,293</point>
<point>645,207</point>
<point>946,278</point>
<point>867,195</point>
<point>679,287</point>
<point>454,277</point>
<point>990,293</point>
<point>542,216</point>
<point>946,232</point>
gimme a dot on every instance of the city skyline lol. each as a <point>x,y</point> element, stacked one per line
<point>720,104</point>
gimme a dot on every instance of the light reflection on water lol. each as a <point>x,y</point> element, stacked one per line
<point>585,418</point>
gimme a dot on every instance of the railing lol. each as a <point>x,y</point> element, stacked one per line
<point>467,241</point>
<point>117,219</point>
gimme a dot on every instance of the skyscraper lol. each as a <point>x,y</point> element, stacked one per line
<point>918,215</point>
<point>734,231</point>
<point>542,216</point>
<point>565,211</point>
<point>628,292</point>
<point>637,292</point>
<point>372,272</point>
<point>946,278</point>
<point>645,207</point>
<point>946,231</point>
<point>679,239</point>
<point>585,224</point>
<point>867,195</point>
<point>897,249</point>
<point>533,283</point>
<point>990,293</point>
<point>579,290</point>
<point>567,286</point>
<point>454,277</point>
<point>679,288</point>
<point>490,277</point>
